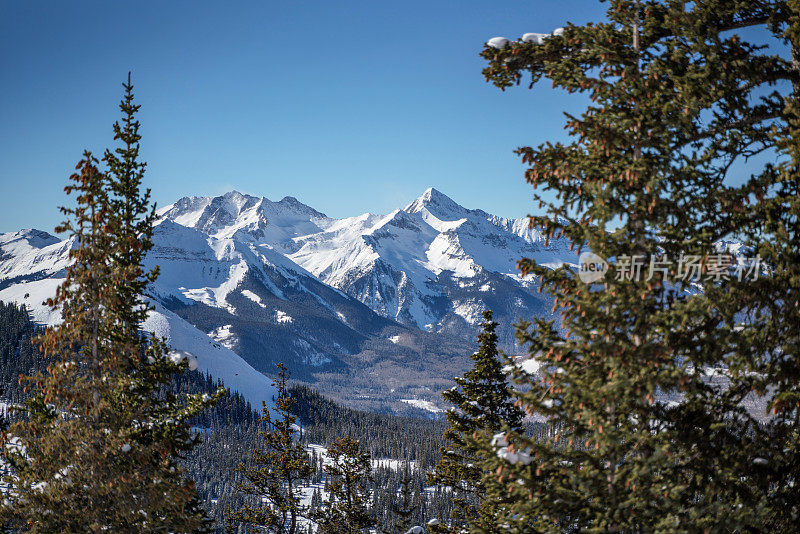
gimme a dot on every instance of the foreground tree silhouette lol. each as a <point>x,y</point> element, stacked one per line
<point>275,471</point>
<point>482,404</point>
<point>100,451</point>
<point>677,98</point>
<point>346,509</point>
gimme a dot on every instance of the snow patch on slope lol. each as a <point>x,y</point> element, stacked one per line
<point>471,310</point>
<point>33,296</point>
<point>212,357</point>
<point>32,254</point>
<point>224,336</point>
<point>422,405</point>
<point>283,317</point>
<point>252,296</point>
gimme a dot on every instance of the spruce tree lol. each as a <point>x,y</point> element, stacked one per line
<point>135,216</point>
<point>5,526</point>
<point>765,344</point>
<point>402,510</point>
<point>346,510</point>
<point>102,446</point>
<point>676,100</point>
<point>275,471</point>
<point>482,404</point>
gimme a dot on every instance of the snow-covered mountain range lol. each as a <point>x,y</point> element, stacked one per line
<point>379,311</point>
<point>433,264</point>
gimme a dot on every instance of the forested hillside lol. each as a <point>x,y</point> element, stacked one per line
<point>228,430</point>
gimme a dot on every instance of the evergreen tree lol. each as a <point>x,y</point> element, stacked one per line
<point>275,471</point>
<point>765,341</point>
<point>100,450</point>
<point>346,509</point>
<point>482,404</point>
<point>4,525</point>
<point>316,500</point>
<point>134,217</point>
<point>677,99</point>
<point>402,510</point>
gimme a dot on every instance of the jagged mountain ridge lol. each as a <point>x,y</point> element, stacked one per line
<point>433,264</point>
<point>378,311</point>
<point>241,307</point>
<point>32,265</point>
<point>256,301</point>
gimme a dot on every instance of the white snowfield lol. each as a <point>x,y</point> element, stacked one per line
<point>224,336</point>
<point>33,295</point>
<point>252,296</point>
<point>283,318</point>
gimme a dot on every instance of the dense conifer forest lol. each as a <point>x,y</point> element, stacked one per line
<point>229,430</point>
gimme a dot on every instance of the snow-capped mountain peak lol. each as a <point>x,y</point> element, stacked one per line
<point>247,217</point>
<point>437,204</point>
<point>429,264</point>
<point>29,238</point>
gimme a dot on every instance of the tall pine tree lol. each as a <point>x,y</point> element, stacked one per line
<point>482,404</point>
<point>134,217</point>
<point>678,98</point>
<point>275,471</point>
<point>101,448</point>
<point>346,510</point>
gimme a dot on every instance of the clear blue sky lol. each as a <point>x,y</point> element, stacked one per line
<point>349,106</point>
